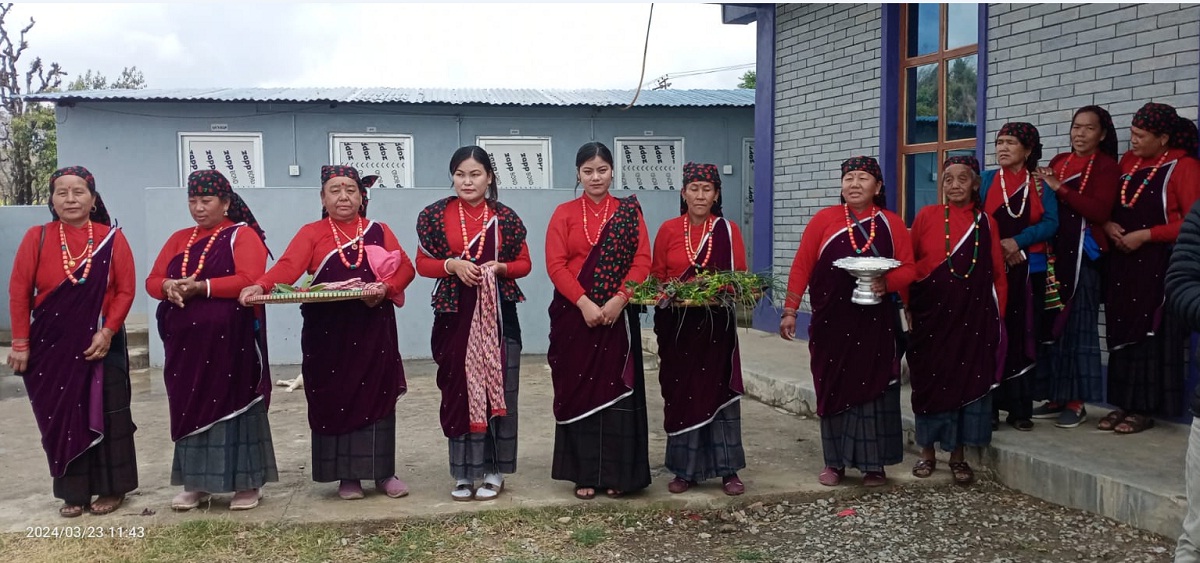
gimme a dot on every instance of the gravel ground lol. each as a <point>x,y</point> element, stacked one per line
<point>946,523</point>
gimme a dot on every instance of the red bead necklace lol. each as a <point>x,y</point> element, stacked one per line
<point>603,213</point>
<point>709,224</point>
<point>850,230</point>
<point>188,249</point>
<point>1146,182</point>
<point>1004,191</point>
<point>337,243</point>
<point>462,223</point>
<point>1087,173</point>
<point>69,261</point>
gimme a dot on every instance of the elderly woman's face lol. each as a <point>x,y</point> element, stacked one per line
<point>1145,143</point>
<point>859,189</point>
<point>700,197</point>
<point>207,210</point>
<point>72,200</point>
<point>959,183</point>
<point>1010,152</point>
<point>341,198</point>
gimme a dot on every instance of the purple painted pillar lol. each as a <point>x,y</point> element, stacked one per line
<point>765,317</point>
<point>889,102</point>
<point>981,71</point>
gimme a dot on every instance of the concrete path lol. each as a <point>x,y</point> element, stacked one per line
<point>1136,479</point>
<point>783,453</point>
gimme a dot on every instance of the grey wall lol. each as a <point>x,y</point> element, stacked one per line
<point>166,212</point>
<point>14,221</point>
<point>133,146</point>
<point>1047,60</point>
<point>826,109</point>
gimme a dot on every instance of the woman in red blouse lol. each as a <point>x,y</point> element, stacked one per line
<point>855,357</point>
<point>353,374</point>
<point>700,370</point>
<point>216,370</point>
<point>595,244</point>
<point>956,348</point>
<point>75,276</point>
<point>1086,180</point>
<point>1160,182</point>
<point>475,247</point>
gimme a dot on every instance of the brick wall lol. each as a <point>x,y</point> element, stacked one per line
<point>1047,60</point>
<point>826,108</point>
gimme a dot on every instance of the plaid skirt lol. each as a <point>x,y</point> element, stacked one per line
<point>472,456</point>
<point>713,450</point>
<point>1069,368</point>
<point>233,455</point>
<point>110,467</point>
<point>610,448</point>
<point>1148,377</point>
<point>366,453</point>
<point>970,425</point>
<point>865,437</point>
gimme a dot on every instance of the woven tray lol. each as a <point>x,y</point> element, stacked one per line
<point>314,296</point>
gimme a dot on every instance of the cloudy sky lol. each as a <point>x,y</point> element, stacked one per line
<point>411,45</point>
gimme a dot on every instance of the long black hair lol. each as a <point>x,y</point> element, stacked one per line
<point>1108,145</point>
<point>476,153</point>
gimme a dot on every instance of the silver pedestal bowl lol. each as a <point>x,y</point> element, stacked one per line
<point>866,269</point>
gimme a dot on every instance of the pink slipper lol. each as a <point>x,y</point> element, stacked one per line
<point>831,476</point>
<point>393,487</point>
<point>350,490</point>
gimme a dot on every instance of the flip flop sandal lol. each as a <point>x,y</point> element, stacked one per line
<point>1110,420</point>
<point>1134,423</point>
<point>963,474</point>
<point>579,494</point>
<point>71,510</point>
<point>613,493</point>
<point>924,468</point>
<point>106,509</point>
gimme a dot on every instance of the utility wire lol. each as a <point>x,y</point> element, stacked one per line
<point>645,51</point>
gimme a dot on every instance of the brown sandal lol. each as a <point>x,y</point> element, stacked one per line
<point>1134,423</point>
<point>71,510</point>
<point>963,474</point>
<point>1110,420</point>
<point>924,468</point>
<point>107,508</point>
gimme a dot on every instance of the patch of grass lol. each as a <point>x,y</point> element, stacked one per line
<point>749,555</point>
<point>541,560</point>
<point>589,536</point>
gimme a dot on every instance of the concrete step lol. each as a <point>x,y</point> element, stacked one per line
<point>1138,480</point>
<point>139,357</point>
<point>137,334</point>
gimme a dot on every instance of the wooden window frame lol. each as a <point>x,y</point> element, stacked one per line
<point>940,57</point>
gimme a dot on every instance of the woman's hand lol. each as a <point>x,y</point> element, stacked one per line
<point>1049,176</point>
<point>188,288</point>
<point>612,309</point>
<point>500,267</point>
<point>592,315</point>
<point>18,361</point>
<point>1114,232</point>
<point>100,343</point>
<point>1132,241</point>
<point>248,292</point>
<point>879,286</point>
<point>787,326</point>
<point>466,271</point>
<point>1012,252</point>
<point>375,300</point>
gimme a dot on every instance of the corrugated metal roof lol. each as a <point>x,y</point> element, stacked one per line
<point>454,96</point>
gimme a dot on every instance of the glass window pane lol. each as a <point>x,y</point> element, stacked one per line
<point>923,28</point>
<point>920,182</point>
<point>962,82</point>
<point>922,95</point>
<point>962,25</point>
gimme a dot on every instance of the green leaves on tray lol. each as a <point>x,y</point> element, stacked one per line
<point>707,288</point>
